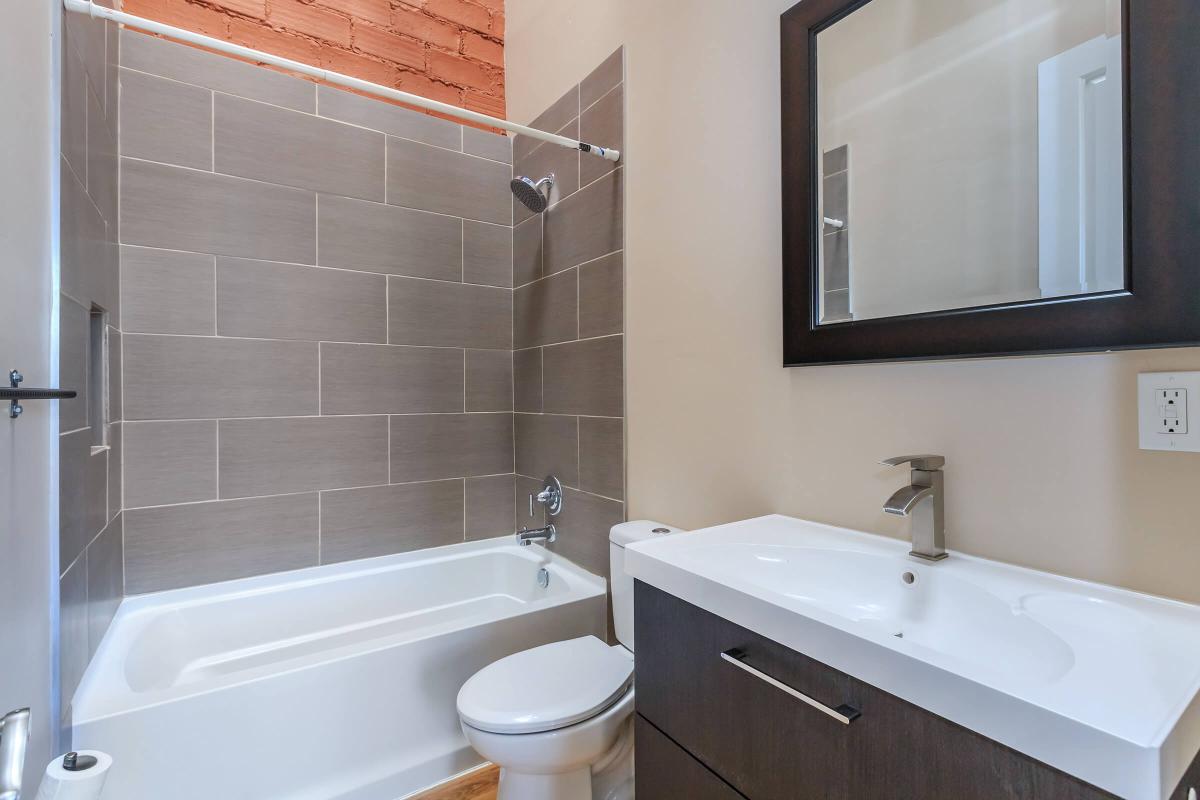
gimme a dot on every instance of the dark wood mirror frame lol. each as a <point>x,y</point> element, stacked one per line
<point>1160,306</point>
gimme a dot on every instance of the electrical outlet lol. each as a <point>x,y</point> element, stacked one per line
<point>1163,422</point>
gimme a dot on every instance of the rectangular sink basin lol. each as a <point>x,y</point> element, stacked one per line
<point>1096,681</point>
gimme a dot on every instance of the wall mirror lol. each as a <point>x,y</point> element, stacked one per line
<point>987,177</point>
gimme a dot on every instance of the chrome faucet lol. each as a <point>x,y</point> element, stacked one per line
<point>551,496</point>
<point>527,536</point>
<point>927,483</point>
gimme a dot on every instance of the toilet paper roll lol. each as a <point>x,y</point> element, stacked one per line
<point>60,783</point>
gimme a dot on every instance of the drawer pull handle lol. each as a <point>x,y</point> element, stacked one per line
<point>844,714</point>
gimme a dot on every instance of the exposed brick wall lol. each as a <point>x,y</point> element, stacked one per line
<point>447,50</point>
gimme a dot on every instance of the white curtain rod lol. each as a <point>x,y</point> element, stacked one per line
<point>91,9</point>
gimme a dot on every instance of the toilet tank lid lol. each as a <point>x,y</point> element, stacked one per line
<point>639,530</point>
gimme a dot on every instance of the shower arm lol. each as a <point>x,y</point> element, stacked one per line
<point>336,78</point>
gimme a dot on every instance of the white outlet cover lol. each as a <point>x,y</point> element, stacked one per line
<point>1150,435</point>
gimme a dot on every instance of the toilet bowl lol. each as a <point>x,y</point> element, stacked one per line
<point>558,719</point>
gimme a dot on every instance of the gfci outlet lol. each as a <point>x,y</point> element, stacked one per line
<point>1163,407</point>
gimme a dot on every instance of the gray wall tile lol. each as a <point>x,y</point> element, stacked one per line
<point>527,380</point>
<point>583,527</point>
<point>267,300</point>
<point>102,164</point>
<point>82,494</point>
<point>546,310</point>
<point>585,226</point>
<point>835,259</point>
<point>436,446</point>
<point>174,546</point>
<point>489,507</point>
<point>380,520</point>
<point>489,380</point>
<point>386,379</point>
<point>496,146</point>
<point>170,462</point>
<point>588,378</point>
<point>166,291</point>
<point>87,36</point>
<point>602,456</point>
<point>487,254</point>
<point>602,124</point>
<point>255,140</point>
<point>183,63</point>
<point>835,160</point>
<point>437,313</point>
<point>357,234</point>
<point>283,456</point>
<point>183,377</point>
<point>548,444</point>
<point>116,409</point>
<point>836,306</point>
<point>604,77</point>
<point>835,200</point>
<point>73,107</point>
<point>523,487</point>
<point>544,160</point>
<point>602,296</point>
<point>560,112</point>
<point>383,116</point>
<point>82,243</point>
<point>105,581</point>
<point>73,358</point>
<point>73,631</point>
<point>116,473</point>
<point>527,251</point>
<point>432,179</point>
<point>182,209</point>
<point>166,120</point>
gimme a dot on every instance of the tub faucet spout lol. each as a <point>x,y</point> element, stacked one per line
<point>527,536</point>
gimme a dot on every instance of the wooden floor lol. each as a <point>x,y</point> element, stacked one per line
<point>477,785</point>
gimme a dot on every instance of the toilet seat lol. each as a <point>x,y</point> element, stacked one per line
<point>545,688</point>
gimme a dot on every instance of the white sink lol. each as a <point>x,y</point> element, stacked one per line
<point>1099,682</point>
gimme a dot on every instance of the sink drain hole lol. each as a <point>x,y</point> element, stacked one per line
<point>908,578</point>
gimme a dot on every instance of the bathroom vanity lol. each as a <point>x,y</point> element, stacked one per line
<point>782,659</point>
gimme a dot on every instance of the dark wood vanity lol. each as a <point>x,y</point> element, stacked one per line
<point>709,730</point>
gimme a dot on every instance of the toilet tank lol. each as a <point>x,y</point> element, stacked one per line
<point>622,583</point>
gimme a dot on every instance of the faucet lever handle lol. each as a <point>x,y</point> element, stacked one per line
<point>921,462</point>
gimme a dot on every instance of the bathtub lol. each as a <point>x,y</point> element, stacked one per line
<point>330,682</point>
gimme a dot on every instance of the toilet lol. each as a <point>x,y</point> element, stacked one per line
<point>558,719</point>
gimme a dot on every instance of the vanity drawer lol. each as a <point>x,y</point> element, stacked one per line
<point>769,724</point>
<point>670,772</point>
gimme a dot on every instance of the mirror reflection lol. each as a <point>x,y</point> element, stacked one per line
<point>969,154</point>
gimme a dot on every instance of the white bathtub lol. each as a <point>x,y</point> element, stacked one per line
<point>329,682</point>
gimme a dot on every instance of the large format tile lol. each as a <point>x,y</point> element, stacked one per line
<point>267,300</point>
<point>166,120</point>
<point>489,506</point>
<point>165,291</point>
<point>105,580</point>
<point>585,226</point>
<point>495,146</point>
<point>487,254</point>
<point>548,444</point>
<point>550,159</point>
<point>546,311</point>
<point>432,179</point>
<point>527,251</point>
<point>602,456</point>
<point>388,379</point>
<point>489,380</point>
<point>72,630</point>
<point>75,332</point>
<point>438,313</point>
<point>583,527</point>
<point>182,209</point>
<point>102,166</point>
<point>83,245</point>
<point>73,108</point>
<point>560,112</point>
<point>184,377</point>
<point>282,456</point>
<point>435,446</point>
<point>357,234</point>
<point>82,494</point>
<point>116,471</point>
<point>175,546</point>
<point>588,378</point>
<point>376,521</point>
<point>527,380</point>
<point>255,140</point>
<point>383,116</point>
<point>604,77</point>
<point>526,512</point>
<point>170,462</point>
<point>603,125</point>
<point>157,56</point>
<point>602,296</point>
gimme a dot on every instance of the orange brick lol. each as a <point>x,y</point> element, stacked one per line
<point>260,37</point>
<point>484,103</point>
<point>495,6</point>
<point>188,16</point>
<point>425,28</point>
<point>376,11</point>
<point>388,46</point>
<point>461,72</point>
<point>422,85</point>
<point>368,69</point>
<point>460,11</point>
<point>310,20</point>
<point>251,8</point>
<point>498,25</point>
<point>483,49</point>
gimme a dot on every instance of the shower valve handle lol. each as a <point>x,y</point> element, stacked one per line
<point>551,496</point>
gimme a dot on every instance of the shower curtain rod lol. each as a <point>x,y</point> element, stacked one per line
<point>91,9</point>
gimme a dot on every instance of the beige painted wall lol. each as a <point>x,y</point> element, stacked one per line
<point>1043,466</point>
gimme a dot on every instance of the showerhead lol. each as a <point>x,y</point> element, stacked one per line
<point>531,194</point>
